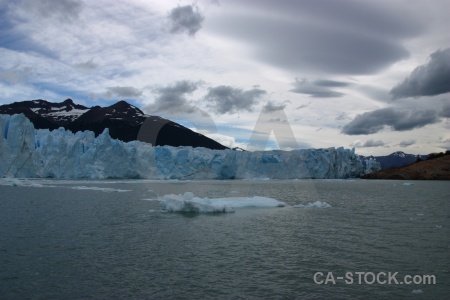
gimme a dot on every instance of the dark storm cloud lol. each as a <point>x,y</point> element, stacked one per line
<point>427,80</point>
<point>407,143</point>
<point>398,120</point>
<point>185,19</point>
<point>340,37</point>
<point>315,90</point>
<point>122,92</point>
<point>226,99</point>
<point>172,98</point>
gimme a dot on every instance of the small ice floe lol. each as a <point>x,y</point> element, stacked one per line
<point>189,203</point>
<point>419,291</point>
<point>420,214</point>
<point>22,182</point>
<point>438,226</point>
<point>94,188</point>
<point>408,183</point>
<point>318,204</point>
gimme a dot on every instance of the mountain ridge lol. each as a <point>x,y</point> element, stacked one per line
<point>396,159</point>
<point>123,120</point>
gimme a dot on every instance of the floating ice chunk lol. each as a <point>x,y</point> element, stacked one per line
<point>189,203</point>
<point>94,188</point>
<point>408,183</point>
<point>417,291</point>
<point>318,204</point>
<point>22,182</point>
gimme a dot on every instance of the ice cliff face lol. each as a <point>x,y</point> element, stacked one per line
<point>26,152</point>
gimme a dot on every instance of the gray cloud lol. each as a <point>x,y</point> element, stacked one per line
<point>226,99</point>
<point>122,92</point>
<point>407,143</point>
<point>171,102</point>
<point>172,98</point>
<point>15,74</point>
<point>14,39</point>
<point>342,116</point>
<point>368,144</point>
<point>271,107</point>
<point>430,79</point>
<point>316,89</point>
<point>374,93</point>
<point>185,19</point>
<point>351,37</point>
<point>445,112</point>
<point>64,10</point>
<point>87,65</point>
<point>330,83</point>
<point>398,120</point>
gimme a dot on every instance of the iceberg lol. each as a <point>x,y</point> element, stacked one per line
<point>26,152</point>
<point>316,204</point>
<point>189,203</point>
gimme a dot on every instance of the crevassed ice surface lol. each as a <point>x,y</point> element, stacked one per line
<point>27,152</point>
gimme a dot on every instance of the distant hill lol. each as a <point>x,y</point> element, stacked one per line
<point>123,120</point>
<point>397,159</point>
<point>437,167</point>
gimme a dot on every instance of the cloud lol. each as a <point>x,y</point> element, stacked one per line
<point>398,120</point>
<point>64,10</point>
<point>272,107</point>
<point>445,112</point>
<point>87,65</point>
<point>407,143</point>
<point>122,92</point>
<point>316,89</point>
<point>185,19</point>
<point>367,144</point>
<point>171,102</point>
<point>330,83</point>
<point>226,99</point>
<point>342,116</point>
<point>344,37</point>
<point>13,38</point>
<point>430,79</point>
<point>172,98</point>
<point>15,74</point>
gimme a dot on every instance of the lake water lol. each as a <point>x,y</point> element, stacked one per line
<point>109,239</point>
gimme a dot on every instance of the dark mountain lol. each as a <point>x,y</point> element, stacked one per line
<point>44,114</point>
<point>123,120</point>
<point>397,159</point>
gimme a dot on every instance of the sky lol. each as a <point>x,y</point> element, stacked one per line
<point>285,74</point>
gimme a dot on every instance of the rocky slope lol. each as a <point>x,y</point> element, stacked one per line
<point>437,169</point>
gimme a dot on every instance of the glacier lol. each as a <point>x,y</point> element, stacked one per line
<point>26,152</point>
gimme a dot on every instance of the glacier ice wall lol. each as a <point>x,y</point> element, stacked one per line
<point>30,153</point>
